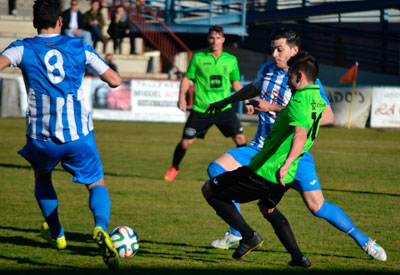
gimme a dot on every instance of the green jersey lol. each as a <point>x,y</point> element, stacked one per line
<point>305,110</point>
<point>212,76</point>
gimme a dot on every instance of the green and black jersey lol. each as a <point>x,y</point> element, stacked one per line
<point>305,110</point>
<point>212,77</point>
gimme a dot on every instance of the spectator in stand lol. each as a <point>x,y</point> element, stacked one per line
<point>119,28</point>
<point>110,62</point>
<point>73,24</point>
<point>12,4</point>
<point>94,22</point>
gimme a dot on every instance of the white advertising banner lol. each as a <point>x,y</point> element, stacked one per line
<point>137,100</point>
<point>340,98</point>
<point>385,111</point>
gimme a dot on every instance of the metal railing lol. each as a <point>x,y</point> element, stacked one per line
<point>154,31</point>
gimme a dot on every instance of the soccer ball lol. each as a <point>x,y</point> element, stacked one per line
<point>125,241</point>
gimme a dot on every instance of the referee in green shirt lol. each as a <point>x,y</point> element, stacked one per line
<point>213,72</point>
<point>273,168</point>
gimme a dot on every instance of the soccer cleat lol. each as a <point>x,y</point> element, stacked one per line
<point>59,243</point>
<point>246,246</point>
<point>103,240</point>
<point>303,262</point>
<point>226,242</point>
<point>374,250</point>
<point>171,174</point>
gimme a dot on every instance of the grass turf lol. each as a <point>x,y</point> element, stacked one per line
<point>358,169</point>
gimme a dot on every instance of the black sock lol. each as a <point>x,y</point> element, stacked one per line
<point>284,232</point>
<point>227,211</point>
<point>178,155</point>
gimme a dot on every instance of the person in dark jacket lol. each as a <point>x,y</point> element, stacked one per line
<point>73,23</point>
<point>119,28</point>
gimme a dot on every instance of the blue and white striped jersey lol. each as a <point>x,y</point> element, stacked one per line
<point>53,67</point>
<point>272,82</point>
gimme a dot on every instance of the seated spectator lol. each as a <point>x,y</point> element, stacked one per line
<point>94,22</point>
<point>109,59</point>
<point>73,24</point>
<point>119,28</point>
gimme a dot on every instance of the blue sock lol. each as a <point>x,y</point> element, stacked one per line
<point>46,197</point>
<point>213,170</point>
<point>231,229</point>
<point>99,203</point>
<point>336,216</point>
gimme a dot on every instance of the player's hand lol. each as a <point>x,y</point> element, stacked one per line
<point>249,108</point>
<point>216,107</point>
<point>281,173</point>
<point>182,104</point>
<point>260,105</point>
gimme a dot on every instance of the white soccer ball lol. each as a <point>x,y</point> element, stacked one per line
<point>125,240</point>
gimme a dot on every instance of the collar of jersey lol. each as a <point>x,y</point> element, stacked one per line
<point>309,87</point>
<point>207,52</point>
<point>48,35</point>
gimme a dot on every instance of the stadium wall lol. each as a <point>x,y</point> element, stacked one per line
<point>156,101</point>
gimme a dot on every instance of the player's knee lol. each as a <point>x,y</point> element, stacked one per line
<point>320,210</point>
<point>240,140</point>
<point>265,210</point>
<point>185,143</point>
<point>206,190</point>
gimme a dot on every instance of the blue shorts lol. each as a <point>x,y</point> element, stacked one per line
<point>79,157</point>
<point>306,178</point>
<point>244,154</point>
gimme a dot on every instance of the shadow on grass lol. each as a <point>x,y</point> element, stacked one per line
<point>187,252</point>
<point>183,271</point>
<point>121,175</point>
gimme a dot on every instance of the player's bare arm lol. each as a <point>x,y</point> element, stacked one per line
<point>112,78</point>
<point>298,142</point>
<point>4,62</point>
<point>183,89</point>
<point>247,92</point>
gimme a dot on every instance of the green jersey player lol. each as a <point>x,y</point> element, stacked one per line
<point>272,169</point>
<point>213,72</point>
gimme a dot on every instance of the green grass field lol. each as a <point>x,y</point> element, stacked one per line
<point>358,169</point>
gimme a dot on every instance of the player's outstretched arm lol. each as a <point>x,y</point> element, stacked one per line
<point>298,142</point>
<point>4,62</point>
<point>248,91</point>
<point>112,78</point>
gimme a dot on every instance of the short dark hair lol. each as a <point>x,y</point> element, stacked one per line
<point>305,62</point>
<point>216,28</point>
<point>46,13</point>
<point>292,37</point>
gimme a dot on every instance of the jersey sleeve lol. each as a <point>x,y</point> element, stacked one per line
<point>297,112</point>
<point>259,77</point>
<point>191,70</point>
<point>322,92</point>
<point>94,62</point>
<point>235,75</point>
<point>14,52</point>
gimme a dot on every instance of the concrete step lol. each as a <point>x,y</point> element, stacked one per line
<point>17,25</point>
<point>131,64</point>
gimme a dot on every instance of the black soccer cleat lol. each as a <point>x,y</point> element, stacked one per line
<point>303,262</point>
<point>246,246</point>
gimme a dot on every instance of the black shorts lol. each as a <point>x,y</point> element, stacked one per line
<point>243,185</point>
<point>198,124</point>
